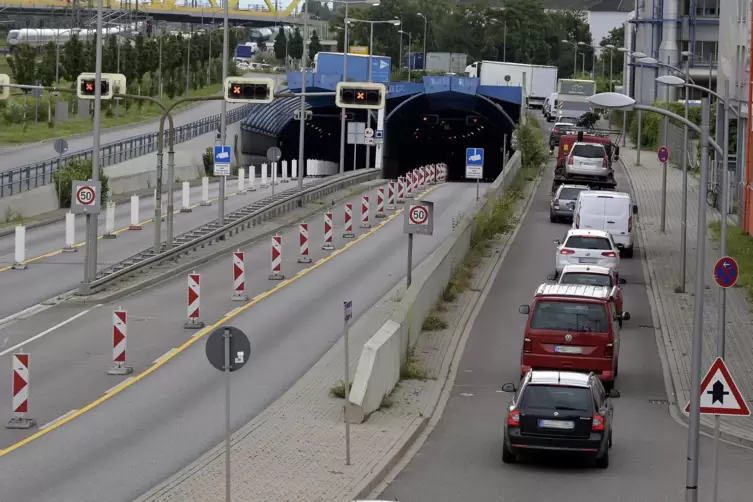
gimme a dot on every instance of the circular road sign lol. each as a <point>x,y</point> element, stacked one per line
<point>240,348</point>
<point>368,132</point>
<point>273,154</point>
<point>85,195</point>
<point>60,146</point>
<point>726,272</point>
<point>418,215</point>
<point>663,154</point>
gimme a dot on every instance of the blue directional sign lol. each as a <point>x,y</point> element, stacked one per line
<point>222,156</point>
<point>663,154</point>
<point>726,272</point>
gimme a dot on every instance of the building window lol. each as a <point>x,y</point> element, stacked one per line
<point>706,50</point>
<point>707,8</point>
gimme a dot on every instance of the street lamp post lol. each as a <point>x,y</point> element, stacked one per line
<point>575,55</point>
<point>426,22</point>
<point>410,46</point>
<point>583,63</point>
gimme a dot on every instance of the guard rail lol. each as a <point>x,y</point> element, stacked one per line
<point>251,215</point>
<point>21,179</point>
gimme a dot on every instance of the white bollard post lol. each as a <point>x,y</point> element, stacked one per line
<point>20,250</point>
<point>119,340</point>
<point>135,224</point>
<point>251,178</point>
<point>109,221</point>
<point>70,232</point>
<point>205,192</point>
<point>284,172</point>
<point>241,180</point>
<point>294,169</point>
<point>186,198</point>
<point>264,183</point>
<point>20,392</point>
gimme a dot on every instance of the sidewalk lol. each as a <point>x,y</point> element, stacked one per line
<point>675,310</point>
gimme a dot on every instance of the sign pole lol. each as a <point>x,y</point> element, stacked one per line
<point>663,154</point>
<point>410,258</point>
<point>227,334</point>
<point>348,311</point>
<point>419,219</point>
<point>717,425</point>
<point>478,182</point>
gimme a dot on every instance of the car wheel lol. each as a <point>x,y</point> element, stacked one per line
<point>629,252</point>
<point>602,462</point>
<point>508,457</point>
<point>552,218</point>
<point>610,438</point>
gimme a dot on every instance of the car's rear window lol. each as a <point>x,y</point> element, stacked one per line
<point>586,279</point>
<point>570,316</point>
<point>586,242</point>
<point>570,193</point>
<point>552,397</point>
<point>588,151</point>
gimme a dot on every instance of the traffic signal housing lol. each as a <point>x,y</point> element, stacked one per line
<point>349,116</point>
<point>361,95</point>
<point>472,120</point>
<point>4,91</point>
<point>430,119</point>
<point>111,84</point>
<point>249,90</point>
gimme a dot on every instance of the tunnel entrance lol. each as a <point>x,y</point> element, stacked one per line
<point>439,128</point>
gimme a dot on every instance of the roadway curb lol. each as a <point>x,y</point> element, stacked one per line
<point>352,190</point>
<point>664,345</point>
<point>444,381</point>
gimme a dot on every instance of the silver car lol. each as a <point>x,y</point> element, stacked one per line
<point>586,247</point>
<point>588,159</point>
<point>562,205</point>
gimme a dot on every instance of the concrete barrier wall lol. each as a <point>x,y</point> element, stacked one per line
<point>376,375</point>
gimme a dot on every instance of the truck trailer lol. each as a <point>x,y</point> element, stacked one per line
<point>540,81</point>
<point>572,97</point>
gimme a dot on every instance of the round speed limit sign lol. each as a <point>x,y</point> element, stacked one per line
<point>85,195</point>
<point>418,215</point>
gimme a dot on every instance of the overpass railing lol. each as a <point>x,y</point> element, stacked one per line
<point>22,179</point>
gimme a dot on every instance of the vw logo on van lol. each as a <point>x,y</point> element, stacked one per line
<point>568,338</point>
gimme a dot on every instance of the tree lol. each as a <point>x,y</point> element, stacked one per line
<point>615,37</point>
<point>23,65</point>
<point>46,67</point>
<point>72,58</point>
<point>315,46</point>
<point>295,47</point>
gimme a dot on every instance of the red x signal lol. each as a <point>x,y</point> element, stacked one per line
<point>360,95</point>
<point>236,89</point>
<point>89,86</point>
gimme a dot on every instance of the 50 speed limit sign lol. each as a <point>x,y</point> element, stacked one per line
<point>85,197</point>
<point>419,218</point>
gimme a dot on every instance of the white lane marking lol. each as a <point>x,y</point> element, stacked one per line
<point>166,354</point>
<point>48,331</point>
<point>117,385</point>
<point>58,419</point>
<point>28,310</point>
<point>301,271</point>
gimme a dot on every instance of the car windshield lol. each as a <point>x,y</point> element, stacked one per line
<point>588,242</point>
<point>588,151</point>
<point>570,316</point>
<point>550,397</point>
<point>586,279</point>
<point>570,193</point>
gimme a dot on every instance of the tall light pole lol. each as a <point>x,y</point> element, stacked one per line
<point>575,55</point>
<point>593,67</point>
<point>583,63</point>
<point>410,46</point>
<point>400,54</point>
<point>426,23</point>
<point>223,112</point>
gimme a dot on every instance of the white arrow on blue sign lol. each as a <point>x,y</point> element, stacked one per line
<point>474,156</point>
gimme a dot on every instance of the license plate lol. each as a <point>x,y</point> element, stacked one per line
<point>568,349</point>
<point>586,260</point>
<point>556,424</point>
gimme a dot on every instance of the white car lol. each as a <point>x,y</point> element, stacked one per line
<point>586,247</point>
<point>588,159</point>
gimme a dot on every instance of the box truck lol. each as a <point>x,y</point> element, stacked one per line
<point>540,81</point>
<point>572,97</point>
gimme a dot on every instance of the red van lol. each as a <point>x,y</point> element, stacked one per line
<point>572,328</point>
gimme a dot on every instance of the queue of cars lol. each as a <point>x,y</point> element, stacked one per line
<point>571,340</point>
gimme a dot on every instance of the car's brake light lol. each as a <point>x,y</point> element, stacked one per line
<point>609,350</point>
<point>555,130</point>
<point>570,160</point>
<point>597,424</point>
<point>567,251</point>
<point>527,345</point>
<point>609,254</point>
<point>605,162</point>
<point>513,419</point>
<point>630,224</point>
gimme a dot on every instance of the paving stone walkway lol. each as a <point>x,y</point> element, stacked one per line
<point>675,310</point>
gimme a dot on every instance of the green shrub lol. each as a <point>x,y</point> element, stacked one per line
<point>77,170</point>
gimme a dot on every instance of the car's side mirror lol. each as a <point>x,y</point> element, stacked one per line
<point>614,393</point>
<point>621,281</point>
<point>625,316</point>
<point>524,309</point>
<point>551,277</point>
<point>556,242</point>
<point>635,209</point>
<point>509,387</point>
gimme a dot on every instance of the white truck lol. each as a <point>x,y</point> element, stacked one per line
<point>540,81</point>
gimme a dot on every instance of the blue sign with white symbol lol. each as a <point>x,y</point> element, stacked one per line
<point>663,154</point>
<point>379,134</point>
<point>474,156</point>
<point>222,154</point>
<point>726,272</point>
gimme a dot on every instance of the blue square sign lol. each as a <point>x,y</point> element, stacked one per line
<point>222,156</point>
<point>474,157</point>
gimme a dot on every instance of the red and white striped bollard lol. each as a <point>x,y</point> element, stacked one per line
<point>303,238</point>
<point>400,190</point>
<point>348,234</point>
<point>391,196</point>
<point>328,245</point>
<point>422,176</point>
<point>276,274</point>
<point>194,293</point>
<point>380,203</point>
<point>239,277</point>
<point>119,339</point>
<point>20,387</point>
<point>365,212</point>
<point>409,185</point>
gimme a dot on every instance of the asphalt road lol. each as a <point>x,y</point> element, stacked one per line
<point>56,272</point>
<point>462,457</point>
<point>126,445</point>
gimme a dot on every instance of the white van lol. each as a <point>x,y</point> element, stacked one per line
<point>613,212</point>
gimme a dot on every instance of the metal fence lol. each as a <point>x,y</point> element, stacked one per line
<point>35,175</point>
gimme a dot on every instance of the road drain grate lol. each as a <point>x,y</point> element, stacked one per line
<point>658,401</point>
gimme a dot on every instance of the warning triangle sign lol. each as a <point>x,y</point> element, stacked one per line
<point>719,393</point>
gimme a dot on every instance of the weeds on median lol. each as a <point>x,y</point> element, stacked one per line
<point>410,369</point>
<point>338,390</point>
<point>434,323</point>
